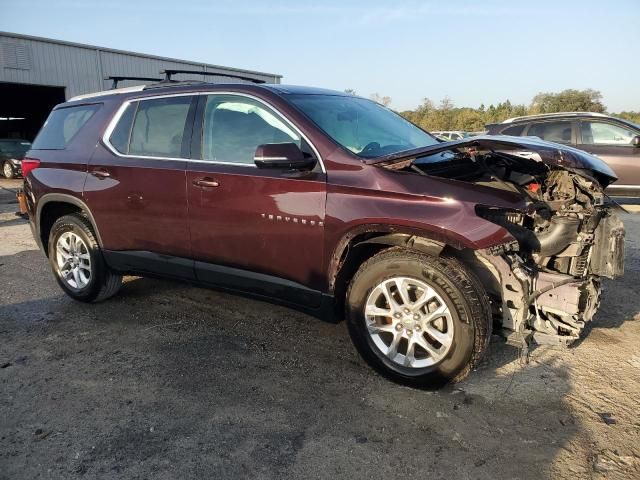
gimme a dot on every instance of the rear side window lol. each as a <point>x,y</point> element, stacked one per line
<point>559,132</point>
<point>159,126</point>
<point>62,126</point>
<point>515,130</point>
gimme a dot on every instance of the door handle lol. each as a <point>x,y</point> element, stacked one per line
<point>99,173</point>
<point>206,182</point>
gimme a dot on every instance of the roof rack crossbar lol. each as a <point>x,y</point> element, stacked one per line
<point>169,73</point>
<point>119,78</point>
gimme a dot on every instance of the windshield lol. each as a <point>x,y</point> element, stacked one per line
<point>15,147</point>
<point>362,126</point>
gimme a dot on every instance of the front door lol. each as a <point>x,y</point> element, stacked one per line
<point>254,229</point>
<point>136,187</point>
<point>612,143</point>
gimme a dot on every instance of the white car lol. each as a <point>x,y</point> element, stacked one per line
<point>449,135</point>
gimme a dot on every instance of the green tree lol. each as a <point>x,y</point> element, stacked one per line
<point>631,116</point>
<point>468,119</point>
<point>446,116</point>
<point>382,100</point>
<point>569,100</point>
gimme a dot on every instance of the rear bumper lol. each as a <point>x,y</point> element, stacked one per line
<point>31,211</point>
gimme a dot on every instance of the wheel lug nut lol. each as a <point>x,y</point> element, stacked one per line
<point>417,328</point>
<point>398,327</point>
<point>397,315</point>
<point>409,332</point>
<point>406,310</point>
<point>416,316</point>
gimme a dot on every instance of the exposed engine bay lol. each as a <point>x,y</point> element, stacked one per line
<point>545,284</point>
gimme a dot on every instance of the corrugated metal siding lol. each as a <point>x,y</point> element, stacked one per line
<point>81,69</point>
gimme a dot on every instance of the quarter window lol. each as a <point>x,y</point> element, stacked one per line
<point>62,125</point>
<point>600,133</point>
<point>119,139</point>
<point>234,126</point>
<point>159,127</point>
<point>559,132</point>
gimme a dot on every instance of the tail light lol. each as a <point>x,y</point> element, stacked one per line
<point>29,164</point>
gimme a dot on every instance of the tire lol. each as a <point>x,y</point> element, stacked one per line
<point>95,281</point>
<point>7,170</point>
<point>445,350</point>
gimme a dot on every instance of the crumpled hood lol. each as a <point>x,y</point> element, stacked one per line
<point>552,154</point>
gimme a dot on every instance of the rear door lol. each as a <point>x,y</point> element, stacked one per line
<point>136,187</point>
<point>612,142</point>
<point>253,229</point>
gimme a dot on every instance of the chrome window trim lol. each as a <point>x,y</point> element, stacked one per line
<point>116,118</point>
<point>116,91</point>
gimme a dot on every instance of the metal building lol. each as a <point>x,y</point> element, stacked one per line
<point>38,73</point>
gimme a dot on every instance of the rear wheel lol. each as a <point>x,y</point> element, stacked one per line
<point>417,319</point>
<point>7,170</point>
<point>77,262</point>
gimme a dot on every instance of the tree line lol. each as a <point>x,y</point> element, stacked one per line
<point>446,116</point>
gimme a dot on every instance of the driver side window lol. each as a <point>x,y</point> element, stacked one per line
<point>601,133</point>
<point>234,126</point>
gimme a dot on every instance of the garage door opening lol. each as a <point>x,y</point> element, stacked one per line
<point>24,108</point>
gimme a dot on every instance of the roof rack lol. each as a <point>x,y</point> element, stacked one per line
<point>552,115</point>
<point>174,83</point>
<point>118,78</point>
<point>169,73</point>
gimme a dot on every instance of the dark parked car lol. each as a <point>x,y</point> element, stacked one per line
<point>12,152</point>
<point>331,204</point>
<point>615,140</point>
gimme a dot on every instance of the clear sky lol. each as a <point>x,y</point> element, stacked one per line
<point>473,51</point>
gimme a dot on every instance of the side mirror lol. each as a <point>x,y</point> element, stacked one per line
<point>635,141</point>
<point>282,155</point>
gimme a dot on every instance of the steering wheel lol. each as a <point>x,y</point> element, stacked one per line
<point>370,146</point>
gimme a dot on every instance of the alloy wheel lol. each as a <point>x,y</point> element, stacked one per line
<point>73,260</point>
<point>409,322</point>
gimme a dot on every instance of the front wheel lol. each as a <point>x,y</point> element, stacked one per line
<point>7,170</point>
<point>419,320</point>
<point>77,262</point>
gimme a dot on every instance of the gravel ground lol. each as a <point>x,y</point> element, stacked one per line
<point>170,381</point>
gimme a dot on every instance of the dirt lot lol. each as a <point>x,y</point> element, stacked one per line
<point>172,381</point>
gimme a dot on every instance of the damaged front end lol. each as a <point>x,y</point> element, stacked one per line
<point>545,283</point>
<point>549,279</point>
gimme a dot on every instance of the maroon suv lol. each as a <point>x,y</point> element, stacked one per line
<point>331,204</point>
